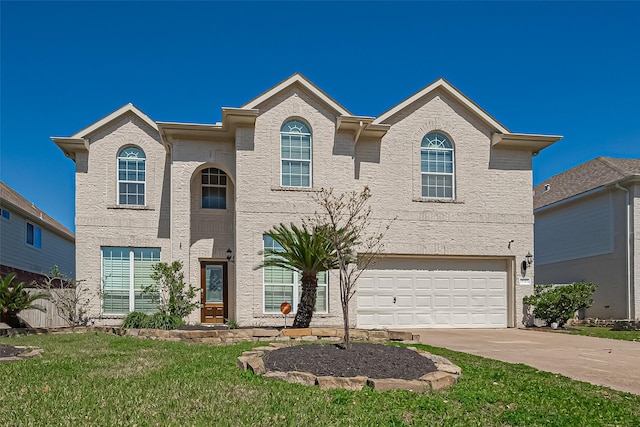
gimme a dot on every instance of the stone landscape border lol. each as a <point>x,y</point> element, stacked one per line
<point>446,374</point>
<point>23,353</point>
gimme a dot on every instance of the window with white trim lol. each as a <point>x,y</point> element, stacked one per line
<point>282,285</point>
<point>295,154</point>
<point>214,189</point>
<point>125,273</point>
<point>131,176</point>
<point>34,235</point>
<point>437,167</point>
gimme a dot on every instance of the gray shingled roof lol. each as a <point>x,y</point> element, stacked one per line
<point>14,198</point>
<point>587,176</point>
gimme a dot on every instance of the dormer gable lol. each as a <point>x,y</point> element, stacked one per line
<point>79,142</point>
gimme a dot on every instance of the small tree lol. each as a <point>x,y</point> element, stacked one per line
<point>557,304</point>
<point>14,298</point>
<point>68,296</point>
<point>308,251</point>
<point>347,219</point>
<point>176,298</point>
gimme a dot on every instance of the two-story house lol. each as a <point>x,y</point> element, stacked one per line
<point>31,242</point>
<point>586,222</point>
<point>458,182</point>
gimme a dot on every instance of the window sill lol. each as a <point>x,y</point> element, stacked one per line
<point>112,316</point>
<point>452,201</point>
<point>298,189</point>
<point>131,207</point>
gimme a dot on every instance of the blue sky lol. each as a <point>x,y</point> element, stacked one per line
<point>571,69</point>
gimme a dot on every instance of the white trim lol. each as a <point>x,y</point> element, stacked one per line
<point>128,108</point>
<point>297,160</point>
<point>297,78</point>
<point>118,180</point>
<point>450,90</point>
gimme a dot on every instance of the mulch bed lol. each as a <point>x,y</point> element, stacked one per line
<point>8,350</point>
<point>369,360</point>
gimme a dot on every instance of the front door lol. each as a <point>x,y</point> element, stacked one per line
<point>213,280</point>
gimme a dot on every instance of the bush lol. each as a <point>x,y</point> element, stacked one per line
<point>162,321</point>
<point>559,303</point>
<point>176,297</point>
<point>134,320</point>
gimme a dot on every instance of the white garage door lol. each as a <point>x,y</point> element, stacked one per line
<point>433,294</point>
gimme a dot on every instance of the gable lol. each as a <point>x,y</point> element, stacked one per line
<point>300,81</point>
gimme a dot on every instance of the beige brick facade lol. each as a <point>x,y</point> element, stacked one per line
<point>490,216</point>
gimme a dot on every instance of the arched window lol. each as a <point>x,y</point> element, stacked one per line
<point>437,167</point>
<point>214,189</point>
<point>295,154</point>
<point>131,176</point>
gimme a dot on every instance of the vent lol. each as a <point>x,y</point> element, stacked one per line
<point>547,187</point>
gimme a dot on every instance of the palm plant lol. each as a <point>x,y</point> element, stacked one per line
<point>14,298</point>
<point>307,252</point>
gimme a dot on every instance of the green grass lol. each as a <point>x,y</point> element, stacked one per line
<point>600,332</point>
<point>97,379</point>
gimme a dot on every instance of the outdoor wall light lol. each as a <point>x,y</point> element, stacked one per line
<point>229,254</point>
<point>529,259</point>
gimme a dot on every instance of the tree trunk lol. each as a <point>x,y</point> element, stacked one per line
<point>345,320</point>
<point>307,302</point>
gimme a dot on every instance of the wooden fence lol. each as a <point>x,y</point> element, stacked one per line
<point>50,318</point>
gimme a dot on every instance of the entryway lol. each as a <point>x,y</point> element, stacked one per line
<point>213,282</point>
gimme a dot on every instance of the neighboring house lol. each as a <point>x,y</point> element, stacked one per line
<point>31,242</point>
<point>585,230</point>
<point>457,180</point>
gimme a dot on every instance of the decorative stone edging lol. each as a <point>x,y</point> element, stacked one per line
<point>447,374</point>
<point>23,353</point>
<point>232,336</point>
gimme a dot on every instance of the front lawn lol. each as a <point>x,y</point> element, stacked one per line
<point>600,332</point>
<point>98,379</point>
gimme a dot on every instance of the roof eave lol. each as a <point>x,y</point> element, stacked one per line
<point>71,146</point>
<point>301,80</point>
<point>128,108</point>
<point>521,141</point>
<point>232,118</point>
<point>362,127</point>
<point>442,84</point>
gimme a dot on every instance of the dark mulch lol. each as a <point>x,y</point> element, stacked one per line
<point>8,350</point>
<point>369,360</point>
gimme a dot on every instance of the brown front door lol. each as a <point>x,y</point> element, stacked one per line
<point>213,280</point>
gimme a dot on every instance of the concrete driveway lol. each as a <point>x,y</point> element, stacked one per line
<point>611,363</point>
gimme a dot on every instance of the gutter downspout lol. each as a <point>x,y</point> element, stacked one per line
<point>628,237</point>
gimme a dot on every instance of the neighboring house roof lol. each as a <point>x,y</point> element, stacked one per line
<point>588,176</point>
<point>11,197</point>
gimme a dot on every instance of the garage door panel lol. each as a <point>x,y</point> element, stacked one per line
<point>443,298</point>
<point>405,301</point>
<point>441,283</point>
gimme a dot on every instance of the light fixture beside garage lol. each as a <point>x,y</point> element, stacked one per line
<point>529,258</point>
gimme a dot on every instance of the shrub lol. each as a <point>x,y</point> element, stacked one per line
<point>559,303</point>
<point>14,298</point>
<point>135,320</point>
<point>162,321</point>
<point>176,297</point>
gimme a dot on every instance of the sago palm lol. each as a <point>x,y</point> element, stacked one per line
<point>307,252</point>
<point>14,298</point>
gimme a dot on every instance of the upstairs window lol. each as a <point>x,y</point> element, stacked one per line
<point>295,154</point>
<point>214,189</point>
<point>34,235</point>
<point>5,213</point>
<point>131,176</point>
<point>437,167</point>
